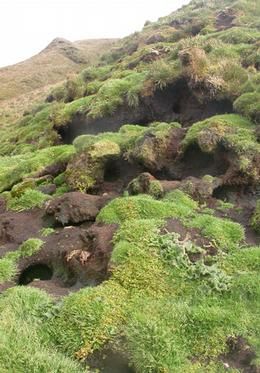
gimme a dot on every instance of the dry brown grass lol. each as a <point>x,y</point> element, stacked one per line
<point>25,84</point>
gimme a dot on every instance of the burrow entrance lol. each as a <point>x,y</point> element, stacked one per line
<point>197,163</point>
<point>35,272</point>
<point>174,103</point>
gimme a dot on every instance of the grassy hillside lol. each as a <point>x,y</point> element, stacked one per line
<point>129,205</point>
<point>30,80</point>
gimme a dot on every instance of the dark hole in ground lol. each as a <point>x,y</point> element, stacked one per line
<point>245,194</point>
<point>197,163</point>
<point>174,103</point>
<point>112,171</point>
<point>110,362</point>
<point>33,272</point>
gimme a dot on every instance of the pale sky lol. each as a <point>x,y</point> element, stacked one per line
<point>27,26</point>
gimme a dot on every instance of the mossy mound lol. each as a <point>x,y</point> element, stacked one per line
<point>86,170</point>
<point>233,134</point>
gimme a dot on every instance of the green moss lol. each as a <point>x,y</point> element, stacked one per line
<point>25,308</point>
<point>59,180</point>
<point>234,133</point>
<point>179,197</point>
<point>45,232</point>
<point>62,114</point>
<point>86,169</point>
<point>223,232</point>
<point>29,199</point>
<point>8,267</point>
<point>14,169</point>
<point>95,315</point>
<point>145,207</point>
<point>113,93</point>
<point>248,105</point>
<point>255,220</point>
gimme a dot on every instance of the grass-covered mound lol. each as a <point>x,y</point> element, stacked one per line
<point>212,50</point>
<point>14,169</point>
<point>233,134</point>
<point>181,286</point>
<point>161,308</point>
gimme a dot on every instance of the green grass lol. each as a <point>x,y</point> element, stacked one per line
<point>145,207</point>
<point>26,308</point>
<point>28,200</point>
<point>234,133</point>
<point>255,219</point>
<point>225,233</point>
<point>248,105</point>
<point>14,168</point>
<point>8,263</point>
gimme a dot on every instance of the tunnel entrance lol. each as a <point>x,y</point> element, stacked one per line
<point>197,163</point>
<point>35,272</point>
<point>112,171</point>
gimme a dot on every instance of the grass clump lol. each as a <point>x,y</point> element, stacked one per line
<point>94,313</point>
<point>86,169</point>
<point>255,220</point>
<point>145,207</point>
<point>113,93</point>
<point>231,132</point>
<point>45,232</point>
<point>225,233</point>
<point>25,308</point>
<point>14,169</point>
<point>8,262</point>
<point>29,199</point>
<point>248,105</point>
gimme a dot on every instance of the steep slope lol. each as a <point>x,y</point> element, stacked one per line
<point>130,210</point>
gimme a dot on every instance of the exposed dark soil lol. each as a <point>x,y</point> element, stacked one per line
<point>117,175</point>
<point>225,18</point>
<point>240,356</point>
<point>193,234</point>
<point>174,103</point>
<point>16,227</point>
<point>197,163</point>
<point>109,361</point>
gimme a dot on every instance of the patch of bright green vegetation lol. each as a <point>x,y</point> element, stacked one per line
<point>124,137</point>
<point>62,113</point>
<point>8,262</point>
<point>25,308</point>
<point>249,105</point>
<point>29,199</point>
<point>232,131</point>
<point>87,169</point>
<point>14,168</point>
<point>255,220</point>
<point>114,91</point>
<point>45,232</point>
<point>224,206</point>
<point>32,133</point>
<point>145,207</point>
<point>165,307</point>
<point>225,233</point>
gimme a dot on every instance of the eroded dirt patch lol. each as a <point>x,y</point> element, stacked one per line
<point>240,356</point>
